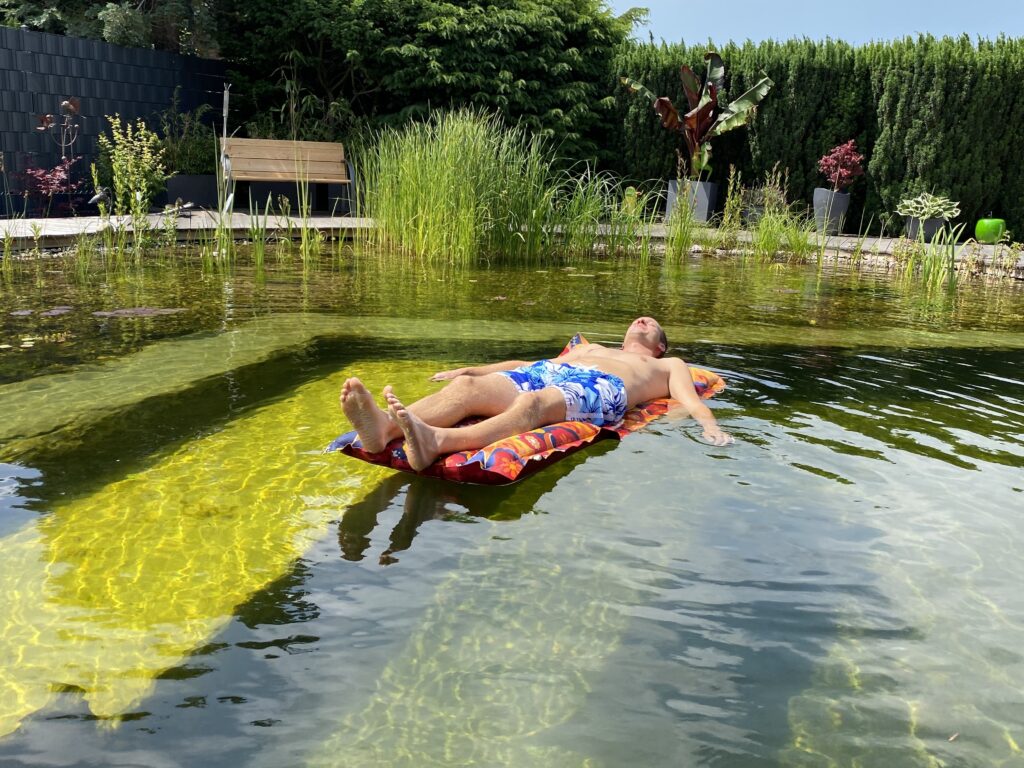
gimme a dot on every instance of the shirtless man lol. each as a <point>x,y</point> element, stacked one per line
<point>591,383</point>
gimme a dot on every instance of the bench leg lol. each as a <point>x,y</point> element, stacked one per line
<point>242,195</point>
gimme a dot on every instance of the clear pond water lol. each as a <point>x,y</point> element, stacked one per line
<point>185,579</point>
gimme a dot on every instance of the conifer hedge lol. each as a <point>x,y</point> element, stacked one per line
<point>945,116</point>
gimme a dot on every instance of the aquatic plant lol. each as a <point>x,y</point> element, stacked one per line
<point>628,227</point>
<point>680,230</point>
<point>82,255</point>
<point>258,230</point>
<point>311,239</point>
<point>222,246</point>
<point>938,264</point>
<point>768,236</point>
<point>7,261</point>
<point>459,186</point>
<point>724,235</point>
<point>462,186</point>
<point>579,209</point>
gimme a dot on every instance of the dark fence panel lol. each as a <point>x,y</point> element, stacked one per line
<point>39,70</point>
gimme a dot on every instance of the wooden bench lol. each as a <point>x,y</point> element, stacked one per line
<point>312,162</point>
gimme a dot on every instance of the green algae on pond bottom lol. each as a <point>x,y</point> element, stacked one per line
<point>108,590</point>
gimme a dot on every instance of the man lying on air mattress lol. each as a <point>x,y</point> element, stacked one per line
<point>588,389</point>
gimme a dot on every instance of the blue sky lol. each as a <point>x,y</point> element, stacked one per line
<point>856,21</point>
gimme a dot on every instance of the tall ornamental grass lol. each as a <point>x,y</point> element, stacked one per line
<point>464,186</point>
<point>458,186</point>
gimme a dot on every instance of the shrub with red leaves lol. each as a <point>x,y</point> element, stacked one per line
<point>47,182</point>
<point>842,165</point>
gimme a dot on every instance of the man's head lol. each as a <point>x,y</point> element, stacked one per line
<point>645,334</point>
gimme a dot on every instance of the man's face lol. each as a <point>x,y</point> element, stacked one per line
<point>647,331</point>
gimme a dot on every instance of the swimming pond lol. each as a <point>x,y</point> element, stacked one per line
<point>187,580</point>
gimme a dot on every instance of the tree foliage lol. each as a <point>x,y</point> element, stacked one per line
<point>180,26</point>
<point>541,64</point>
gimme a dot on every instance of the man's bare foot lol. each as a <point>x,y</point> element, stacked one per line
<point>420,438</point>
<point>372,424</point>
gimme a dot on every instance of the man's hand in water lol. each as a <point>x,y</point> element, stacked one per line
<point>446,375</point>
<point>717,437</point>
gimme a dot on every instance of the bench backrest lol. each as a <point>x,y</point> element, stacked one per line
<point>277,160</point>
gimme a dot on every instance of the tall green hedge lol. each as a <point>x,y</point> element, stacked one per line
<point>946,116</point>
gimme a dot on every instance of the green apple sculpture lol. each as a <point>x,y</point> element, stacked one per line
<point>989,230</point>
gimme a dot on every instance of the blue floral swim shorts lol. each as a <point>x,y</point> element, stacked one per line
<point>590,395</point>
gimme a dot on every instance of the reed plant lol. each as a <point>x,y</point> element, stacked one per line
<point>311,239</point>
<point>726,235</point>
<point>223,245</point>
<point>581,205</point>
<point>86,250</point>
<point>459,186</point>
<point>37,235</point>
<point>798,236</point>
<point>284,229</point>
<point>857,254</point>
<point>769,234</point>
<point>680,230</point>
<point>258,230</point>
<point>169,227</point>
<point>629,218</point>
<point>938,261</point>
<point>7,262</point>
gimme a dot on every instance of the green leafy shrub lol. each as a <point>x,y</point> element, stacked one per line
<point>131,164</point>
<point>124,24</point>
<point>189,143</point>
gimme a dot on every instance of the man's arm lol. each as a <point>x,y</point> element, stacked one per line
<point>680,387</point>
<point>479,370</point>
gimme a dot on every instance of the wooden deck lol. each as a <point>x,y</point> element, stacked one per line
<point>28,234</point>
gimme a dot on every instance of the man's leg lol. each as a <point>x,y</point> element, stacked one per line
<point>465,396</point>
<point>424,442</point>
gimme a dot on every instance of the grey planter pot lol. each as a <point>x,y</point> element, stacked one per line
<point>926,227</point>
<point>752,215</point>
<point>830,209</point>
<point>201,191</point>
<point>702,197</point>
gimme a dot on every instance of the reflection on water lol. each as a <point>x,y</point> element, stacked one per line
<point>838,588</point>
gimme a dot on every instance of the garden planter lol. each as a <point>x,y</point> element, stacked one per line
<point>199,190</point>
<point>927,228</point>
<point>752,215</point>
<point>702,197</point>
<point>830,209</point>
<point>989,231</point>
